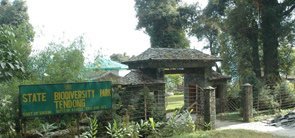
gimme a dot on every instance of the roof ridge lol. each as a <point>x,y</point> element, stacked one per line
<point>173,54</point>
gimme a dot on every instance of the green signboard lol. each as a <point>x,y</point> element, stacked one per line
<point>50,99</point>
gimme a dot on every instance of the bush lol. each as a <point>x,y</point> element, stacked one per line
<point>9,106</point>
<point>233,97</point>
<point>266,99</point>
<point>281,96</point>
<point>179,123</point>
<point>285,95</point>
<point>7,116</point>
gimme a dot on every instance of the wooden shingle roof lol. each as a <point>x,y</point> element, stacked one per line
<point>171,58</point>
<point>136,77</point>
<point>173,54</point>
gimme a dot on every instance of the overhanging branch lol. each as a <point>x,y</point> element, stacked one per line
<point>287,12</point>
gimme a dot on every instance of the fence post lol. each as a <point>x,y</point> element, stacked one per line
<point>247,102</point>
<point>209,108</point>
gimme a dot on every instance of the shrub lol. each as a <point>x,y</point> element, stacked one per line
<point>178,123</point>
<point>285,95</point>
<point>93,129</point>
<point>9,106</point>
<point>266,99</point>
<point>280,96</point>
<point>7,116</point>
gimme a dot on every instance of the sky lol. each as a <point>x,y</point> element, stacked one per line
<point>108,26</point>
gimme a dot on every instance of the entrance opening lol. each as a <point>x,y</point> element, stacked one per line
<point>174,92</point>
<point>192,98</point>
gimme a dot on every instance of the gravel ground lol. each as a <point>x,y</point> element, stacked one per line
<point>256,126</point>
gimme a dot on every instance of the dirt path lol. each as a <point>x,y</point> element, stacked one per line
<point>256,126</point>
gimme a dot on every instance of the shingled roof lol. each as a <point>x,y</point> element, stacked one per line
<point>136,77</point>
<point>171,58</point>
<point>173,54</point>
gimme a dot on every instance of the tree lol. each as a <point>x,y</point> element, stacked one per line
<point>247,25</point>
<point>164,21</point>
<point>10,63</point>
<point>207,28</point>
<point>120,57</point>
<point>16,17</point>
<point>273,14</point>
<point>242,25</point>
<point>60,63</point>
<point>173,81</point>
<point>286,58</point>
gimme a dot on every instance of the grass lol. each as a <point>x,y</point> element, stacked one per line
<point>174,102</point>
<point>231,116</point>
<point>231,133</point>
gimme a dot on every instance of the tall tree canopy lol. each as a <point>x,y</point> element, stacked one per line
<point>164,21</point>
<point>60,62</point>
<point>244,31</point>
<point>120,57</point>
<point>15,20</point>
<point>273,16</point>
<point>10,63</point>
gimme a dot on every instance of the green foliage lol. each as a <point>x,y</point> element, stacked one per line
<point>13,13</point>
<point>207,126</point>
<point>164,21</point>
<point>132,129</point>
<point>59,63</point>
<point>207,28</point>
<point>287,58</point>
<point>285,94</point>
<point>46,128</point>
<point>144,105</point>
<point>178,123</point>
<point>279,97</point>
<point>9,105</point>
<point>17,34</point>
<point>243,32</point>
<point>172,82</point>
<point>114,130</point>
<point>93,129</point>
<point>6,122</point>
<point>10,63</point>
<point>120,57</point>
<point>233,90</point>
<point>266,99</point>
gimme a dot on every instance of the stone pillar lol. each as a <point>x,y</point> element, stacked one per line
<point>209,108</point>
<point>247,102</point>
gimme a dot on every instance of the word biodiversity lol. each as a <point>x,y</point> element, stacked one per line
<point>64,98</point>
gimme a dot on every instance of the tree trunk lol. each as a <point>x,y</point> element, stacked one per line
<point>270,27</point>
<point>253,38</point>
<point>214,54</point>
